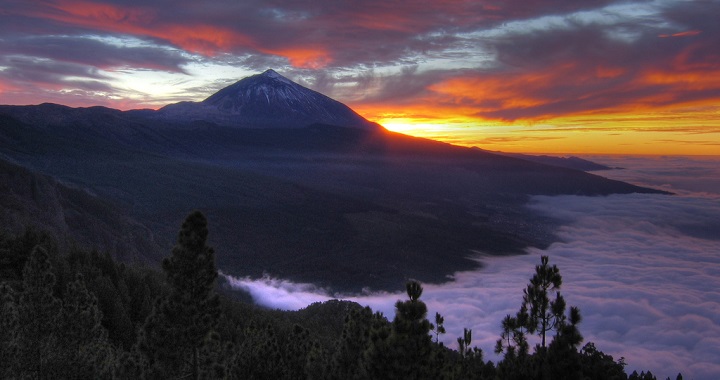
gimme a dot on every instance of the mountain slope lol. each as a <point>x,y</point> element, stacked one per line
<point>29,199</point>
<point>570,162</point>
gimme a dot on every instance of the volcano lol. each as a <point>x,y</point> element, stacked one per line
<point>267,100</point>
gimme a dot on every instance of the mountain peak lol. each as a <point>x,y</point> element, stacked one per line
<point>268,100</point>
<point>272,74</point>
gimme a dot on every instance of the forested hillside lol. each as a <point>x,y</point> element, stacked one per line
<point>75,314</point>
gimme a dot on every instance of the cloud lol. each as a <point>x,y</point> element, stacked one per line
<point>585,64</point>
<point>107,54</point>
<point>649,265</point>
<point>575,65</point>
<point>61,65</point>
<point>643,269</point>
<point>689,176</point>
<point>279,294</point>
<point>687,33</point>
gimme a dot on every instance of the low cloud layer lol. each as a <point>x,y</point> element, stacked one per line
<point>697,176</point>
<point>643,269</point>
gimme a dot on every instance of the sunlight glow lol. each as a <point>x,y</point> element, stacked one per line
<point>597,134</point>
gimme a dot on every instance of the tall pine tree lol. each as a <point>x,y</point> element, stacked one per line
<point>543,316</point>
<point>174,334</point>
<point>406,352</point>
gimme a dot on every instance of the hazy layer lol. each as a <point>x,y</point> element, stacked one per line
<point>643,269</point>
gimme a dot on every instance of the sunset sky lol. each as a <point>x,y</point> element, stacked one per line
<point>544,76</point>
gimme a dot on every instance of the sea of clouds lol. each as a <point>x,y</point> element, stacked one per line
<point>643,269</point>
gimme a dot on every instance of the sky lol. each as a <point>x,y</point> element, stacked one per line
<point>643,269</point>
<point>543,76</point>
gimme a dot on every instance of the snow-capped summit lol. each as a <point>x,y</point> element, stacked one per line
<point>268,100</point>
<point>270,73</point>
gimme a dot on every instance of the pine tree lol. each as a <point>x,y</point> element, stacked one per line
<point>174,334</point>
<point>464,344</point>
<point>512,338</point>
<point>470,364</point>
<point>538,314</point>
<point>406,352</point>
<point>542,312</point>
<point>438,327</point>
<point>596,365</point>
<point>563,360</point>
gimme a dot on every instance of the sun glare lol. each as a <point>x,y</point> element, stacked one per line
<point>403,125</point>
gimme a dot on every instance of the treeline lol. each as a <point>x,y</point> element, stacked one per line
<point>80,315</point>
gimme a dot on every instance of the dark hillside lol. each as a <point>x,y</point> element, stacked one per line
<point>78,218</point>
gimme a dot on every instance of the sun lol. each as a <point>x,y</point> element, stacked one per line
<point>399,126</point>
<point>409,126</point>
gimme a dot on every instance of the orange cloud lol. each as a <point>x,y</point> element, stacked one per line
<point>698,56</point>
<point>203,39</point>
<point>567,90</point>
<point>688,33</point>
<point>197,38</point>
<point>496,92</point>
<point>685,81</point>
<point>307,58</point>
<point>103,12</point>
<point>567,108</point>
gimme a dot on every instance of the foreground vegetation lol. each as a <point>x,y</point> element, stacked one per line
<point>79,314</point>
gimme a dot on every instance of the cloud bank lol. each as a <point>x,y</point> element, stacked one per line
<point>643,269</point>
